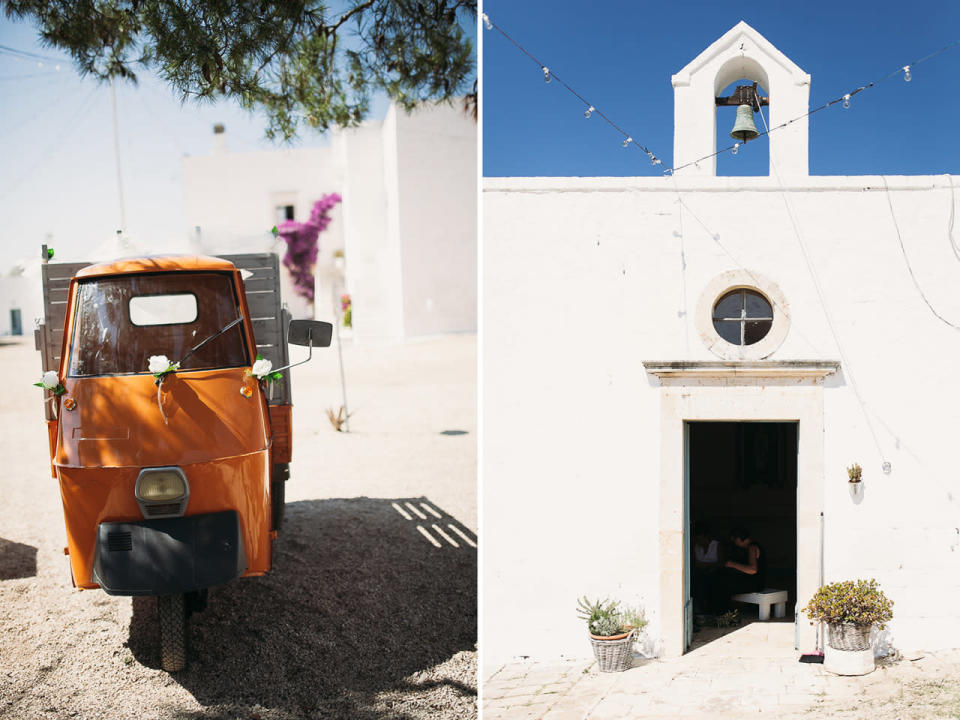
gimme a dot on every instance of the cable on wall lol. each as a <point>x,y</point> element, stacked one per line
<point>847,367</point>
<point>903,251</point>
<point>756,281</point>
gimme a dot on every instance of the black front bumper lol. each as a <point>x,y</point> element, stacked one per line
<point>169,556</point>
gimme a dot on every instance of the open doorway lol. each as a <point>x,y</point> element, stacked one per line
<point>741,476</point>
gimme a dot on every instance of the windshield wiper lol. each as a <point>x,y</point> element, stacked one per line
<point>217,334</point>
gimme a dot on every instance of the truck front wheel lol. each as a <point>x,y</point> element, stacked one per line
<point>171,610</point>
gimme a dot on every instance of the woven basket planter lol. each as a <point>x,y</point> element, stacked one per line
<point>613,655</point>
<point>847,636</point>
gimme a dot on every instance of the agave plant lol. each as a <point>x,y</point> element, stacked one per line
<point>608,617</point>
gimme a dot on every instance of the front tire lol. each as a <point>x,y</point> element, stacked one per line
<point>171,611</point>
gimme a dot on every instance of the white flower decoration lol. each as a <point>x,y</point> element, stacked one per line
<point>261,368</point>
<point>50,380</point>
<point>161,363</point>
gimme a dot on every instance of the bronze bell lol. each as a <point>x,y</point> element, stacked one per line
<point>743,128</point>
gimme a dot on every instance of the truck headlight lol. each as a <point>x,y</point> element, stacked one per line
<point>162,492</point>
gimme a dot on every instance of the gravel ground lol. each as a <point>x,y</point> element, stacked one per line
<point>362,617</point>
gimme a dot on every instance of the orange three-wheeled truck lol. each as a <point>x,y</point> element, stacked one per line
<point>169,434</point>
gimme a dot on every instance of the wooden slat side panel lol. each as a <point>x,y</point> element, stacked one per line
<point>268,318</point>
<point>56,279</point>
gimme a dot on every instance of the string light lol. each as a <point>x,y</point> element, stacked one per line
<point>549,75</point>
<point>845,99</point>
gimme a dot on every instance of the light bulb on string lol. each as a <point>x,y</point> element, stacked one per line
<point>589,112</point>
<point>736,148</point>
<point>546,74</point>
<point>906,73</point>
<point>846,100</point>
<point>626,143</point>
<point>486,22</point>
<point>654,160</point>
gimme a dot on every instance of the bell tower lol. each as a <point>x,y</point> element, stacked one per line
<point>741,53</point>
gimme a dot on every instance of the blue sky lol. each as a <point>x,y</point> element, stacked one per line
<point>621,54</point>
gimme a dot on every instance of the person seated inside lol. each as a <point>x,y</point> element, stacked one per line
<point>744,570</point>
<point>708,558</point>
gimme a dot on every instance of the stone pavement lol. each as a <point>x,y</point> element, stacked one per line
<point>750,672</point>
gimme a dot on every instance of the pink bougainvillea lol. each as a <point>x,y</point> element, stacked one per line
<point>302,246</point>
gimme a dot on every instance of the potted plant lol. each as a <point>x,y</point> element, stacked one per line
<point>854,473</point>
<point>850,609</point>
<point>613,629</point>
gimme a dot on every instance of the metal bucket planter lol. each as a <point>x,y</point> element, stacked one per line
<point>613,654</point>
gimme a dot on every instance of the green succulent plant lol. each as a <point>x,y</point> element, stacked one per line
<point>860,602</point>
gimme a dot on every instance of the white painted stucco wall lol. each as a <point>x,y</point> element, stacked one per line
<point>437,206</point>
<point>407,223</point>
<point>585,278</point>
<point>22,293</point>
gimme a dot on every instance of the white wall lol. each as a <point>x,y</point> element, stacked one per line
<point>437,183</point>
<point>407,223</point>
<point>373,270</point>
<point>18,291</point>
<point>232,198</point>
<point>586,278</point>
<point>410,217</point>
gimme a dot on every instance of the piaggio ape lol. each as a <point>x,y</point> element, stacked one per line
<point>169,434</point>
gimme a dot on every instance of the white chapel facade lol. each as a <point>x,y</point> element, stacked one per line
<point>665,351</point>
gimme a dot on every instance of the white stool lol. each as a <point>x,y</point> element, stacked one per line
<point>765,598</point>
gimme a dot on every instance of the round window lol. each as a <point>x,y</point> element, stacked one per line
<point>742,316</point>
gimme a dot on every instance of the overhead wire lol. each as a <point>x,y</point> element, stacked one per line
<point>591,109</point>
<point>844,358</point>
<point>753,276</point>
<point>7,50</point>
<point>845,99</point>
<point>70,126</point>
<point>903,251</point>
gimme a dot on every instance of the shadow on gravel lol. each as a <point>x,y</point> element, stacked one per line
<point>17,560</point>
<point>361,596</point>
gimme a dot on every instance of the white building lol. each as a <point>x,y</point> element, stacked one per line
<point>406,226</point>
<point>614,413</point>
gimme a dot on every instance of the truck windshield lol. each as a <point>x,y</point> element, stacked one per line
<point>121,322</point>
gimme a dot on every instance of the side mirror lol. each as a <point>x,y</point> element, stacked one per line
<point>313,333</point>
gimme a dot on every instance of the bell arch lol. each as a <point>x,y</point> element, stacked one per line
<point>741,52</point>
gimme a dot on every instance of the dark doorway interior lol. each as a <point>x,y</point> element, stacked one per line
<point>744,474</point>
